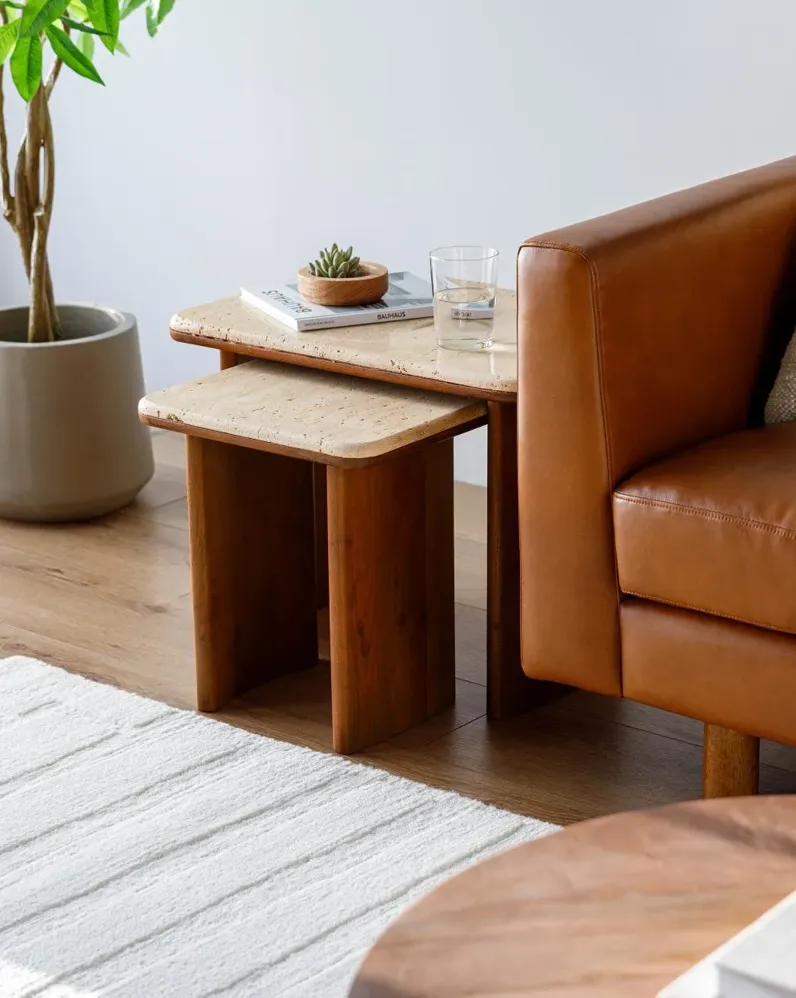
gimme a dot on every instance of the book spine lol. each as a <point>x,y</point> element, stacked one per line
<point>365,318</point>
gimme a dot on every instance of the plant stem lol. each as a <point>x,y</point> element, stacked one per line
<point>41,186</point>
<point>28,209</point>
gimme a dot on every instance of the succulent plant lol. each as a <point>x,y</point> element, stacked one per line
<point>335,262</point>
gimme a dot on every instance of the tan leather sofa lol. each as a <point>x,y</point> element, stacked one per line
<point>657,516</point>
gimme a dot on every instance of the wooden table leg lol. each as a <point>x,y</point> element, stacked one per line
<point>228,359</point>
<point>252,567</point>
<point>391,651</point>
<point>321,537</point>
<point>509,690</point>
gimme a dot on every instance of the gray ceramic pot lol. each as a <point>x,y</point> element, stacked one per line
<point>71,445</point>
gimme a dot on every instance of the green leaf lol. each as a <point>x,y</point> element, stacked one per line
<point>165,7</point>
<point>121,49</point>
<point>66,50</point>
<point>104,15</point>
<point>151,21</point>
<point>13,4</point>
<point>129,6</point>
<point>25,64</point>
<point>85,43</point>
<point>38,14</point>
<point>79,26</point>
<point>8,39</point>
<point>78,9</point>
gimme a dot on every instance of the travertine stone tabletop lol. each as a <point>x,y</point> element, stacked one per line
<point>330,417</point>
<point>408,348</point>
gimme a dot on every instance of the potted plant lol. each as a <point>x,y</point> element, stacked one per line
<point>71,445</point>
<point>339,278</point>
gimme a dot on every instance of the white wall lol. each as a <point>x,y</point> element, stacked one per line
<point>251,132</point>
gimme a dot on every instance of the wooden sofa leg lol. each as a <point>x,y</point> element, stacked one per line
<point>731,763</point>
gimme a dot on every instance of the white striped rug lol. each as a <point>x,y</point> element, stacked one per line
<point>152,852</point>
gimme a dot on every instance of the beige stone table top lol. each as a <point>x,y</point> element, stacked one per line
<point>329,418</point>
<point>613,908</point>
<point>403,352</point>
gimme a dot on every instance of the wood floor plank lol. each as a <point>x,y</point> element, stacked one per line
<point>110,600</point>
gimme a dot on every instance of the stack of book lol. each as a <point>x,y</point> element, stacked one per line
<point>408,297</point>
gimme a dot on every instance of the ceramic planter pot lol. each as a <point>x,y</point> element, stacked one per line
<point>71,445</point>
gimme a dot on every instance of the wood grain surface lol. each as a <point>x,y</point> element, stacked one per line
<point>509,690</point>
<point>613,908</point>
<point>252,568</point>
<point>110,599</point>
<point>730,762</point>
<point>390,670</point>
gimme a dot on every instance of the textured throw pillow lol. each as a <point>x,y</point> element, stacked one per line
<point>781,404</point>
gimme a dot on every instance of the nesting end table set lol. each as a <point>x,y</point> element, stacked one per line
<point>322,472</point>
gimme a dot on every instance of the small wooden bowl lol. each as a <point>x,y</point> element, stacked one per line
<point>340,291</point>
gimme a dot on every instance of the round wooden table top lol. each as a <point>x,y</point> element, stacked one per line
<point>617,907</point>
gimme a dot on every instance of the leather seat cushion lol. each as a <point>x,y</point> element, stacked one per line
<point>714,529</point>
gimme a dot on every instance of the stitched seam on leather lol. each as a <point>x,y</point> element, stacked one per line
<point>710,514</point>
<point>710,613</point>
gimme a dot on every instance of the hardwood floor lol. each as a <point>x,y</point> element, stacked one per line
<point>111,600</point>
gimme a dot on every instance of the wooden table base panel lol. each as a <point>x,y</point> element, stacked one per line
<point>390,670</point>
<point>509,690</point>
<point>252,567</point>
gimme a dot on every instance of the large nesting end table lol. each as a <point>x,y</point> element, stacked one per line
<point>406,353</point>
<point>255,433</point>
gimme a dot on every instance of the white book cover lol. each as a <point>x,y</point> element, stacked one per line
<point>408,297</point>
<point>759,962</point>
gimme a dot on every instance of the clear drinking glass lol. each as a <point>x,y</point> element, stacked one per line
<point>464,283</point>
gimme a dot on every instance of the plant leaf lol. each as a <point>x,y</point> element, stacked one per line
<point>25,64</point>
<point>38,14</point>
<point>165,7</point>
<point>66,50</point>
<point>13,4</point>
<point>86,45</point>
<point>151,21</point>
<point>78,9</point>
<point>129,6</point>
<point>104,15</point>
<point>121,49</point>
<point>79,26</point>
<point>8,38</point>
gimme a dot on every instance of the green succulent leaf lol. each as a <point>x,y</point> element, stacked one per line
<point>25,65</point>
<point>38,14</point>
<point>151,21</point>
<point>66,50</point>
<point>8,39</point>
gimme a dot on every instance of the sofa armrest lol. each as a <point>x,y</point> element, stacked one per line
<point>640,333</point>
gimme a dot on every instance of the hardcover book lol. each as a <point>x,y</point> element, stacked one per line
<point>408,297</point>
